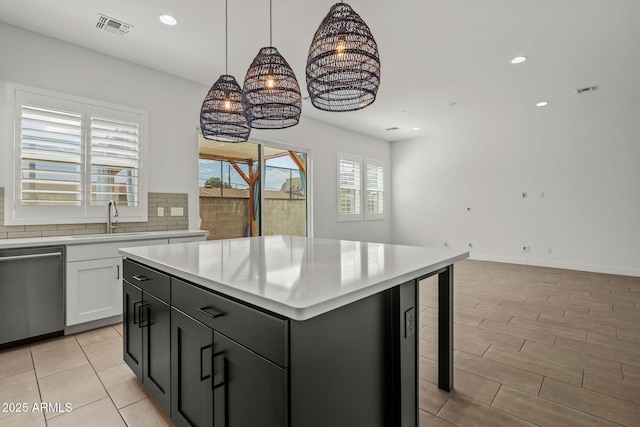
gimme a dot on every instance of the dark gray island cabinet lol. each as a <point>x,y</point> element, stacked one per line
<point>212,356</point>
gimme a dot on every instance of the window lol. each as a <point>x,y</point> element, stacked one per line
<point>352,188</point>
<point>349,183</point>
<point>375,189</point>
<point>70,157</point>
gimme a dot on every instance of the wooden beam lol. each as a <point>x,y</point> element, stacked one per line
<point>224,158</point>
<point>298,162</point>
<point>237,168</point>
<point>238,159</point>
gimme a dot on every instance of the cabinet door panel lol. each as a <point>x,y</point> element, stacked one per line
<point>249,390</point>
<point>132,340</point>
<point>156,343</point>
<point>94,290</point>
<point>191,352</point>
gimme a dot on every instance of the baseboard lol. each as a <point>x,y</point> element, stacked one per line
<point>74,329</point>
<point>624,271</point>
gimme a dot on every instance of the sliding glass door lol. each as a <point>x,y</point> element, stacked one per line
<point>233,200</point>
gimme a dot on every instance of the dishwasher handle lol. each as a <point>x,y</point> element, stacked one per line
<point>21,257</point>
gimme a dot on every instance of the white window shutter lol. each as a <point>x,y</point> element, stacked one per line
<point>115,155</point>
<point>50,157</point>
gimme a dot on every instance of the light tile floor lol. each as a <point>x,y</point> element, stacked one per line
<point>533,346</point>
<point>85,371</point>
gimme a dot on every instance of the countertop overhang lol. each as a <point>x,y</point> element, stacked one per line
<point>296,277</point>
<point>84,239</point>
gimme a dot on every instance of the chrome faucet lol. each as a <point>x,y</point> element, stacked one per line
<point>110,225</point>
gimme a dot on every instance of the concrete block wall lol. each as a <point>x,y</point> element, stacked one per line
<point>227,218</point>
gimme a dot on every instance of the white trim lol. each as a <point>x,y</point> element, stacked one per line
<point>558,264</point>
<point>85,214</point>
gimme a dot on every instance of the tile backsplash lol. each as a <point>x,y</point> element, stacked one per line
<point>154,223</point>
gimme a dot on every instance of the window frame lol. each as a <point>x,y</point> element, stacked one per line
<point>373,216</point>
<point>17,95</point>
<point>343,217</point>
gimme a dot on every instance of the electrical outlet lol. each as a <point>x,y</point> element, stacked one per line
<point>177,211</point>
<point>548,250</point>
<point>160,211</point>
<point>524,195</point>
<point>526,249</point>
<point>409,322</point>
<point>470,245</point>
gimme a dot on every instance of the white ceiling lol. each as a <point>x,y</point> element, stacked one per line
<point>433,52</point>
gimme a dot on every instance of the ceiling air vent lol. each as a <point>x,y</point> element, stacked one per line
<point>586,89</point>
<point>111,25</point>
<point>393,128</point>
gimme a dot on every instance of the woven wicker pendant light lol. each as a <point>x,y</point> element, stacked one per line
<point>271,94</point>
<point>221,115</point>
<point>343,66</point>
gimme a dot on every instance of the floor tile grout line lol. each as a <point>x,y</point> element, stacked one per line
<point>580,410</point>
<point>99,379</point>
<point>33,363</point>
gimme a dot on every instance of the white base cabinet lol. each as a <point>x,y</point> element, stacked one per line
<point>94,290</point>
<point>94,280</point>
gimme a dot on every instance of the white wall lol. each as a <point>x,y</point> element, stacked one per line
<point>173,105</point>
<point>585,160</point>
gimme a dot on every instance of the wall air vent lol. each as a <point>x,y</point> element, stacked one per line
<point>393,128</point>
<point>586,89</point>
<point>111,25</point>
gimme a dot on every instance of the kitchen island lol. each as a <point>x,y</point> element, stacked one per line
<point>282,330</point>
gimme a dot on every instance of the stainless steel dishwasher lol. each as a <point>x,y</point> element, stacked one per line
<point>31,293</point>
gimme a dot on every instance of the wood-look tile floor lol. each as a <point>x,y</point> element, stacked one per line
<point>533,346</point>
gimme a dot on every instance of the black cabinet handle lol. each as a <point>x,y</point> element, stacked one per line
<point>118,272</point>
<point>218,368</point>
<point>135,311</point>
<point>141,278</point>
<point>205,375</point>
<point>141,322</point>
<point>211,312</point>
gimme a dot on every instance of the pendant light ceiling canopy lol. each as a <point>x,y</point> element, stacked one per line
<point>343,65</point>
<point>221,116</point>
<point>271,94</point>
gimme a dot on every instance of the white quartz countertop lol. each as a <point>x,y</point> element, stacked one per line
<point>296,277</point>
<point>84,239</point>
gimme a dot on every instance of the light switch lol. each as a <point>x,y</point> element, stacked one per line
<point>160,211</point>
<point>177,211</point>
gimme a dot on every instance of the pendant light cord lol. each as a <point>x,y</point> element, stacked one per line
<point>270,26</point>
<point>226,36</point>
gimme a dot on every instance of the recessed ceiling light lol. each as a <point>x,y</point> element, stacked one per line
<point>415,128</point>
<point>518,59</point>
<point>168,20</point>
<point>542,104</point>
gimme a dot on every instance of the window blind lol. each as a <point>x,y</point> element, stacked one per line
<point>50,157</point>
<point>115,164</point>
<point>349,171</point>
<point>375,189</point>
